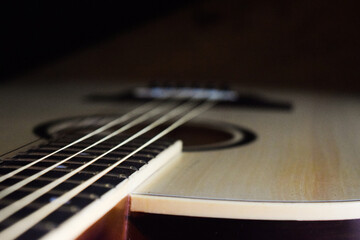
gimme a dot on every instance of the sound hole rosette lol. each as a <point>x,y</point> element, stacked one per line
<point>197,135</point>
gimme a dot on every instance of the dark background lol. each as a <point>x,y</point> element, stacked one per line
<point>280,44</point>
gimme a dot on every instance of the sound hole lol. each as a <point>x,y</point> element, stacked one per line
<point>196,135</point>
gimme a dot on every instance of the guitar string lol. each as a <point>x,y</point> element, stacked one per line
<point>26,223</point>
<point>17,205</point>
<point>174,94</point>
<point>142,118</point>
<point>139,110</point>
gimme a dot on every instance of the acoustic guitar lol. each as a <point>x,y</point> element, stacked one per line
<point>178,162</point>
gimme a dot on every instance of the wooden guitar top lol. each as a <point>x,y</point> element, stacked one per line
<point>304,165</point>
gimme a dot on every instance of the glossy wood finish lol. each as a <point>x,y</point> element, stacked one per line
<point>111,226</point>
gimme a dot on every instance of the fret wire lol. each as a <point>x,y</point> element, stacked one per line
<point>26,223</point>
<point>17,205</point>
<point>127,116</point>
<point>143,118</point>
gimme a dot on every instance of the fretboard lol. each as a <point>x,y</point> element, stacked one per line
<point>86,197</point>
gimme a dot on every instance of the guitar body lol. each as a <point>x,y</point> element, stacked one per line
<point>252,172</point>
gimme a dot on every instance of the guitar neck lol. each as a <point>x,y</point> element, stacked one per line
<point>44,176</point>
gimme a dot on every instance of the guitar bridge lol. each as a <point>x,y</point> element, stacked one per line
<point>224,96</point>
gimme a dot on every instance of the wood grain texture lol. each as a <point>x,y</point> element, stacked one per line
<point>304,164</point>
<point>304,158</point>
<point>112,225</point>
